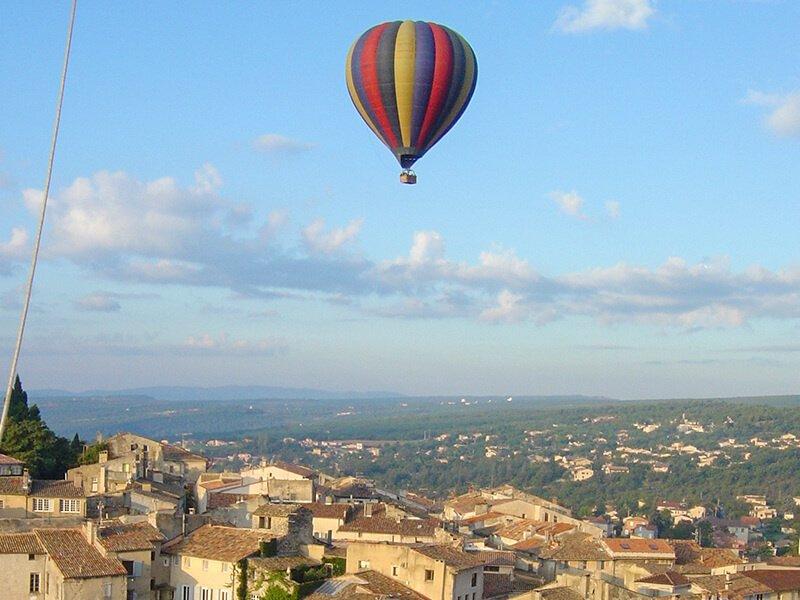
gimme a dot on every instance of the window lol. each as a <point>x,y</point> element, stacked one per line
<point>205,594</point>
<point>126,467</point>
<point>187,562</point>
<point>428,574</point>
<point>394,570</point>
<point>224,567</point>
<point>186,593</point>
<point>205,568</point>
<point>474,580</point>
<point>166,561</point>
<point>2,504</point>
<point>42,505</point>
<point>34,583</point>
<point>473,595</point>
<point>175,561</point>
<point>69,505</point>
<point>94,484</point>
<point>224,595</point>
<point>107,590</point>
<point>363,564</point>
<point>31,556</point>
<point>458,597</point>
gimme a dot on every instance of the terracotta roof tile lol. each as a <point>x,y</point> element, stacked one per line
<point>9,460</point>
<point>496,557</point>
<point>56,488</point>
<point>495,584</point>
<point>129,537</point>
<point>671,578</point>
<point>365,585</point>
<point>20,543</point>
<point>777,580</point>
<point>638,546</point>
<point>576,546</point>
<point>293,468</point>
<point>11,486</point>
<point>385,525</point>
<point>560,593</point>
<point>452,557</point>
<point>75,557</point>
<point>328,511</point>
<point>216,542</point>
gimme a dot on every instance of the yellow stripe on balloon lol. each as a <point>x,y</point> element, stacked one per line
<point>354,93</point>
<point>404,57</point>
<point>466,86</point>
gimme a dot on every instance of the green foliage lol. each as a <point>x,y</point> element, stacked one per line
<point>337,563</point>
<point>308,587</point>
<point>706,531</point>
<point>276,592</point>
<point>241,589</point>
<point>268,548</point>
<point>92,453</point>
<point>28,439</point>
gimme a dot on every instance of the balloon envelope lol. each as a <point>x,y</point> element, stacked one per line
<point>410,81</point>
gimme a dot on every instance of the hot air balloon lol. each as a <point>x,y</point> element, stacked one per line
<point>410,81</point>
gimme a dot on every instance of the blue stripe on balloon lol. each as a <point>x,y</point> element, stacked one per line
<point>424,61</point>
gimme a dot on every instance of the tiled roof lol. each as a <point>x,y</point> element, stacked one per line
<point>20,543</point>
<point>518,530</point>
<point>576,546</point>
<point>495,584</point>
<point>364,586</point>
<point>385,525</point>
<point>496,557</point>
<point>638,546</point>
<point>784,561</point>
<point>737,586</point>
<point>57,488</point>
<point>11,486</point>
<point>482,517</point>
<point>328,511</point>
<point>129,537</point>
<point>216,542</point>
<point>75,557</point>
<point>529,544</point>
<point>215,484</point>
<point>9,460</point>
<point>43,488</point>
<point>171,452</point>
<point>296,469</point>
<point>777,580</point>
<point>560,593</point>
<point>276,510</point>
<point>467,502</point>
<point>452,557</point>
<point>671,578</point>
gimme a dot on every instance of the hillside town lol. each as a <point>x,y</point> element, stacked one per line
<point>147,519</point>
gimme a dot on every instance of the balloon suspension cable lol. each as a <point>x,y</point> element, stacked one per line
<point>26,304</point>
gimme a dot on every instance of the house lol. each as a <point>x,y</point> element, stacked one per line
<point>365,585</point>
<point>10,466</point>
<point>435,571</point>
<point>204,564</point>
<point>145,497</point>
<point>629,524</point>
<point>150,455</point>
<point>387,529</point>
<point>23,560</point>
<point>24,497</point>
<point>290,523</point>
<point>581,473</point>
<point>328,518</point>
<point>137,546</point>
<point>277,469</point>
<point>74,569</point>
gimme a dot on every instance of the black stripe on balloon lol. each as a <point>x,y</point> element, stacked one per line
<point>386,46</point>
<point>456,82</point>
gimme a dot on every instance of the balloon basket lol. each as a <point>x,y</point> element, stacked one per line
<point>408,176</point>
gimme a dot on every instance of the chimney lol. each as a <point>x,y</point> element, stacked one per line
<point>26,481</point>
<point>102,457</point>
<point>90,531</point>
<point>328,499</point>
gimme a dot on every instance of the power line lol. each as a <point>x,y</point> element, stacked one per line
<point>26,304</point>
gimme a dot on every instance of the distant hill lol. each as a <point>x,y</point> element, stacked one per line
<point>229,392</point>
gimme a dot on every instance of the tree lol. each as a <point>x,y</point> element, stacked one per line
<point>27,438</point>
<point>706,531</point>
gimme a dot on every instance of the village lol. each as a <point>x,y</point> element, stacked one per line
<point>149,520</point>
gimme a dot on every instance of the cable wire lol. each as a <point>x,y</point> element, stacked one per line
<point>24,316</point>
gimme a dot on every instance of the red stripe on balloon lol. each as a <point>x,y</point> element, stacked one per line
<point>442,74</point>
<point>369,78</point>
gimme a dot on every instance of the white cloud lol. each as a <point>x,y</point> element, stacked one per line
<point>328,242</point>
<point>784,117</point>
<point>605,14</point>
<point>613,209</point>
<point>275,143</point>
<point>570,203</point>
<point>222,343</point>
<point>17,244</point>
<point>98,302</point>
<point>508,308</point>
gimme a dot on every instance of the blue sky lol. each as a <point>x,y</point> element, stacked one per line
<point>616,212</point>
